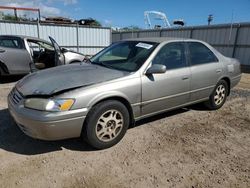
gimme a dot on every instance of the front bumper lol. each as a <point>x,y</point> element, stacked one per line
<point>47,125</point>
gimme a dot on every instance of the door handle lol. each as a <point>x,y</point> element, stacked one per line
<point>185,77</point>
<point>2,51</point>
<point>218,70</point>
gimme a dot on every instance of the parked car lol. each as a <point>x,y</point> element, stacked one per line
<point>23,54</point>
<point>125,82</point>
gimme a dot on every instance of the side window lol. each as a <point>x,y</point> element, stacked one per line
<point>10,43</point>
<point>200,54</point>
<point>171,55</point>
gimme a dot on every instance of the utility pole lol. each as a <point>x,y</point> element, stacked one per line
<point>210,18</point>
<point>15,13</point>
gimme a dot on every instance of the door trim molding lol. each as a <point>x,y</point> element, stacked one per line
<point>172,96</point>
<point>169,109</point>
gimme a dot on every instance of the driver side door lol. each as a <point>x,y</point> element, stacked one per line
<point>171,89</point>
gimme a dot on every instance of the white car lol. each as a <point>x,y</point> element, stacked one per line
<point>24,54</point>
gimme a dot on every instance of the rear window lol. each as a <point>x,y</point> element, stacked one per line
<point>10,43</point>
<point>200,54</point>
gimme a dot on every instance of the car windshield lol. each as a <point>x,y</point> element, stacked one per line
<point>46,46</point>
<point>34,44</point>
<point>126,55</point>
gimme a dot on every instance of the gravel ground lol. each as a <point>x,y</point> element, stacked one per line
<point>190,147</point>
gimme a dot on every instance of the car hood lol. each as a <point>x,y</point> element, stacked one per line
<point>67,77</point>
<point>72,51</point>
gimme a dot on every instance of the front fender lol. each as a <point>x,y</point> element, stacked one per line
<point>71,57</point>
<point>106,95</point>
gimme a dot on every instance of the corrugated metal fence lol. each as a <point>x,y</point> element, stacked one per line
<point>232,40</point>
<point>88,40</point>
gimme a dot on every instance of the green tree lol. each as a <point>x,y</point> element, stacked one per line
<point>95,22</point>
<point>9,17</point>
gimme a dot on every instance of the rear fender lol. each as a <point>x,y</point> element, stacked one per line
<point>3,68</point>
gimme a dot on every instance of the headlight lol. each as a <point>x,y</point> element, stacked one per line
<point>51,105</point>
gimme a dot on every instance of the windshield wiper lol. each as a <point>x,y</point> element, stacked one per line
<point>100,63</point>
<point>86,60</point>
<point>103,64</point>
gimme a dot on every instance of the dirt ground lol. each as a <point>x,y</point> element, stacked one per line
<point>189,147</point>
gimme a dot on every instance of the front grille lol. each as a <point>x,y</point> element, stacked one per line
<point>16,96</point>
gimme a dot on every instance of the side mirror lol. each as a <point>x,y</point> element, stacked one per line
<point>64,50</point>
<point>156,69</point>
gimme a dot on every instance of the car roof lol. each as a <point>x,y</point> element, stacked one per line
<point>25,37</point>
<point>162,39</point>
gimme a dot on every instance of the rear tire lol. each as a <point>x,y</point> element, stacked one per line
<point>218,97</point>
<point>106,124</point>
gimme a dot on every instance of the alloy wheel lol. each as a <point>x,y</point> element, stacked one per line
<point>109,125</point>
<point>220,94</point>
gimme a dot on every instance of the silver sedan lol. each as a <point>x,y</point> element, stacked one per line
<point>129,80</point>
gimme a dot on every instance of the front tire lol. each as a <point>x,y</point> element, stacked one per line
<point>1,74</point>
<point>218,97</point>
<point>106,124</point>
<point>73,62</point>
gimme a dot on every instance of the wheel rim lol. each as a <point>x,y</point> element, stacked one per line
<point>109,125</point>
<point>220,94</point>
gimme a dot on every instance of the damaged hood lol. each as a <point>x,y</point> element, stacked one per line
<point>54,80</point>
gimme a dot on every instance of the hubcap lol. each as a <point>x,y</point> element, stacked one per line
<point>220,94</point>
<point>109,125</point>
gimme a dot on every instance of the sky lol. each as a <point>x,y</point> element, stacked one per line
<point>117,13</point>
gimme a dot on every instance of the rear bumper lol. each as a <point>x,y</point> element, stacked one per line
<point>42,125</point>
<point>235,80</point>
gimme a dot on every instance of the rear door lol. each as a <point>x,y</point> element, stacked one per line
<point>170,89</point>
<point>59,57</point>
<point>14,55</point>
<point>205,70</point>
